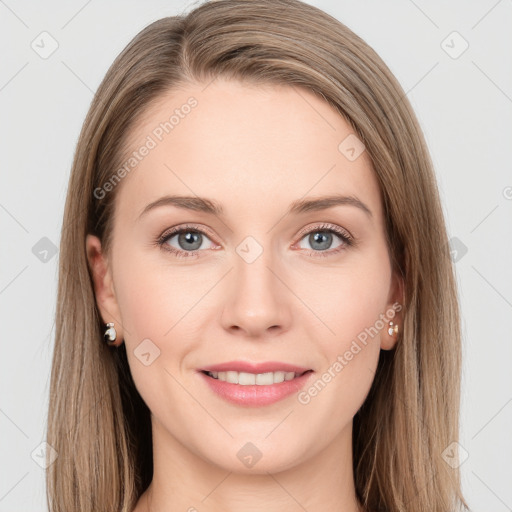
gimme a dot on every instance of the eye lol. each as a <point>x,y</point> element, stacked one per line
<point>320,239</point>
<point>189,239</point>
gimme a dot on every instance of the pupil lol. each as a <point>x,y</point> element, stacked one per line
<point>190,238</point>
<point>317,238</point>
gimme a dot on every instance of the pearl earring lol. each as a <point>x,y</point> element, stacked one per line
<point>393,329</point>
<point>110,334</point>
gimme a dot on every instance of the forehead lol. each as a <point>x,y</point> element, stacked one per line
<point>245,146</point>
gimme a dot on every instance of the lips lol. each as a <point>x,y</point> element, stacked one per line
<point>255,384</point>
<point>255,368</point>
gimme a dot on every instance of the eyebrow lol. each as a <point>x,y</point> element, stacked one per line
<point>202,204</point>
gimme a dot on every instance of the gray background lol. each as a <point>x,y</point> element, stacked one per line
<point>464,104</point>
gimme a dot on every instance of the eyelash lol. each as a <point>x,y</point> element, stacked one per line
<point>348,241</point>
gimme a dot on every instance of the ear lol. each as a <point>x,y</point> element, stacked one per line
<point>103,285</point>
<point>394,312</point>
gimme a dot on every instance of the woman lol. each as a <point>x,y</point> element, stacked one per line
<point>256,306</point>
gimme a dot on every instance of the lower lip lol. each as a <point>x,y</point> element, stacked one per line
<point>255,395</point>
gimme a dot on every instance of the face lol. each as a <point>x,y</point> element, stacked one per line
<point>259,280</point>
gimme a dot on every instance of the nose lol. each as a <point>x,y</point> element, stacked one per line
<point>257,303</point>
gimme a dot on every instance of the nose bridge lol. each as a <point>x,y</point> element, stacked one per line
<point>252,267</point>
<point>257,301</point>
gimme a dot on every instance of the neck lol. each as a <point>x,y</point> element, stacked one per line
<point>184,481</point>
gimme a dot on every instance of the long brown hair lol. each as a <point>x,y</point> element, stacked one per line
<point>97,421</point>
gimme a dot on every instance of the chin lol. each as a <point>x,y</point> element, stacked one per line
<point>255,459</point>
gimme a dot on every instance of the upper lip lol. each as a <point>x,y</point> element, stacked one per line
<point>244,366</point>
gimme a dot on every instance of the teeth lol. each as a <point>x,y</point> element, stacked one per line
<point>251,379</point>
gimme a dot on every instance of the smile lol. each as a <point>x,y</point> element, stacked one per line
<point>251,379</point>
<point>254,389</point>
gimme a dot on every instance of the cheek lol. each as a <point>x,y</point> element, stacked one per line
<point>151,298</point>
<point>154,316</point>
<point>158,314</point>
<point>351,304</point>
<point>350,301</point>
<point>350,347</point>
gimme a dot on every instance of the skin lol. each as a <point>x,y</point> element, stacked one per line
<point>254,149</point>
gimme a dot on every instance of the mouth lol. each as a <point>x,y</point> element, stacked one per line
<point>254,379</point>
<point>251,389</point>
